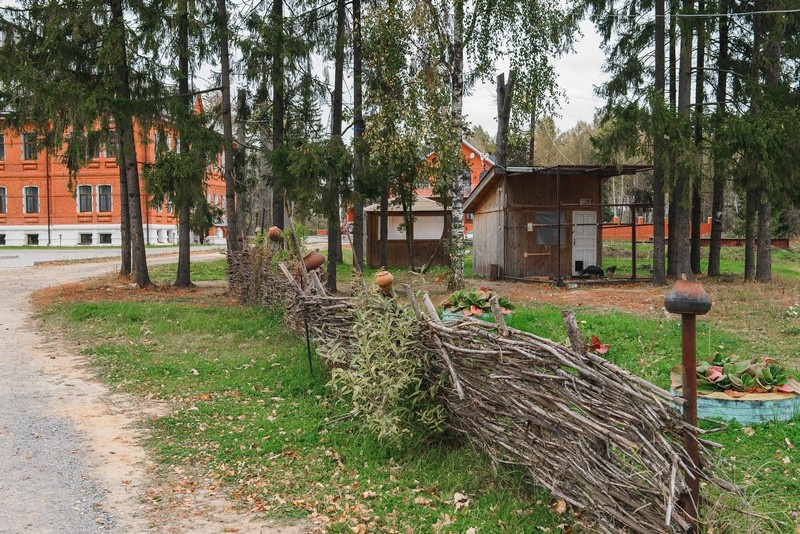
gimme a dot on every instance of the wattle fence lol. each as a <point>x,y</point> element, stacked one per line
<point>602,439</point>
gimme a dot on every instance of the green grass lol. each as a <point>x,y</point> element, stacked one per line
<point>785,263</point>
<point>201,271</point>
<point>247,411</point>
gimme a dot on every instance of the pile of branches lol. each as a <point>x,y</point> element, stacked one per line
<point>605,441</point>
<point>254,280</point>
<point>602,439</point>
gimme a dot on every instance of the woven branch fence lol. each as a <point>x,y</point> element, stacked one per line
<point>605,441</point>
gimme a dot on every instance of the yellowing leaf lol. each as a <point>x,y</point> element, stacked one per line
<point>559,507</point>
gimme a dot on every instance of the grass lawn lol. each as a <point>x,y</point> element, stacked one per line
<point>251,418</point>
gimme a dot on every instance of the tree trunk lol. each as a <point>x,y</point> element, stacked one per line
<point>750,235</point>
<point>384,230</point>
<point>278,217</point>
<point>672,248</point>
<point>504,93</point>
<point>681,192</point>
<point>358,132</point>
<point>124,124</point>
<point>334,236</point>
<point>124,215</point>
<point>659,151</point>
<point>697,201</point>
<point>227,131</point>
<point>408,218</point>
<point>764,257</point>
<point>532,140</point>
<point>457,246</point>
<point>772,51</point>
<point>183,278</point>
<point>754,179</point>
<point>718,194</point>
<point>242,196</point>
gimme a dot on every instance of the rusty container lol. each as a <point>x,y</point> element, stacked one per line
<point>313,260</point>
<point>274,234</point>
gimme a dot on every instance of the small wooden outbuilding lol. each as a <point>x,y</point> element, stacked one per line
<point>428,228</point>
<point>539,223</point>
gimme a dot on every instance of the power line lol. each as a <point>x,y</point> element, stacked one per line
<point>704,15</point>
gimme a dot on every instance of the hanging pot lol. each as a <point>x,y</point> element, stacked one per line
<point>274,234</point>
<point>384,280</point>
<point>313,260</point>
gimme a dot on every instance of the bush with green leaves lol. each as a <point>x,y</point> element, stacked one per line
<point>383,374</point>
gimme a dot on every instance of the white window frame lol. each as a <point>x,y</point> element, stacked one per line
<point>3,200</point>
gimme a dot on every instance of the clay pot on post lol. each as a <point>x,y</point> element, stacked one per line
<point>274,234</point>
<point>313,260</point>
<point>384,280</point>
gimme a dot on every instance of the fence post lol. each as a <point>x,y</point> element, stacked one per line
<point>689,299</point>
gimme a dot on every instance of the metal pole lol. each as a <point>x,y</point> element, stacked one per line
<point>689,386</point>
<point>689,299</point>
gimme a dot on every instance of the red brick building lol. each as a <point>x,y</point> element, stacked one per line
<point>38,208</point>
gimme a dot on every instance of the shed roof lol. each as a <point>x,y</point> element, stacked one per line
<point>597,172</point>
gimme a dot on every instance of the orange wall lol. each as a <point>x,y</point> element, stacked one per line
<point>57,204</point>
<point>644,232</point>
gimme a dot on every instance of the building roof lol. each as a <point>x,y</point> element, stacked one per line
<point>598,172</point>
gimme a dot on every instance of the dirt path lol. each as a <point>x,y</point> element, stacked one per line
<point>70,456</point>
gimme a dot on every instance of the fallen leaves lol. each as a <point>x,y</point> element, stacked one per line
<point>559,507</point>
<point>461,501</point>
<point>422,501</point>
<point>596,346</point>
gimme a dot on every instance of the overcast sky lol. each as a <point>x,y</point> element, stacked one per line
<point>578,74</point>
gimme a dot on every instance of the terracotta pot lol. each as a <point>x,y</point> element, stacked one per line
<point>384,280</point>
<point>313,260</point>
<point>274,234</point>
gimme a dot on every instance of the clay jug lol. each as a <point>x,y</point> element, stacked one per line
<point>313,260</point>
<point>274,234</point>
<point>384,280</point>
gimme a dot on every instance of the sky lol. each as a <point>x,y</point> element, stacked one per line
<point>578,73</point>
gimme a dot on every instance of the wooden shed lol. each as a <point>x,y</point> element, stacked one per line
<point>539,223</point>
<point>428,228</point>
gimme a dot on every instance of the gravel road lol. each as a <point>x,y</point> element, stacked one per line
<point>69,455</point>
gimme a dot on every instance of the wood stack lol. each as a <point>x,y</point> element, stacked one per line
<point>607,442</point>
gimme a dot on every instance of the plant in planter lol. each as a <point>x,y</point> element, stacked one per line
<point>474,302</point>
<point>737,377</point>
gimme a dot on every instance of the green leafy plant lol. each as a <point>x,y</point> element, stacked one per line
<point>474,302</point>
<point>379,373</point>
<point>738,377</point>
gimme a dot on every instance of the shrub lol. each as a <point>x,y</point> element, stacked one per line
<point>383,375</point>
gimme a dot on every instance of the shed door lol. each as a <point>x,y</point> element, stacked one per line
<point>584,240</point>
